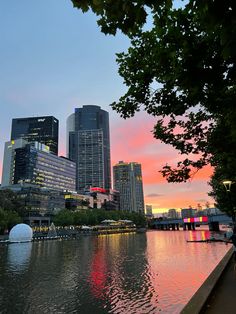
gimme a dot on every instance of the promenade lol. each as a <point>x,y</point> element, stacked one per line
<point>222,298</point>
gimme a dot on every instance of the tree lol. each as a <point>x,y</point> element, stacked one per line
<point>225,200</point>
<point>10,201</point>
<point>182,71</point>
<point>8,219</point>
<point>3,220</point>
<point>11,209</point>
<point>95,216</point>
<point>64,218</point>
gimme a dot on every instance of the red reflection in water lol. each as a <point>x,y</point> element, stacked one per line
<point>199,235</point>
<point>97,278</point>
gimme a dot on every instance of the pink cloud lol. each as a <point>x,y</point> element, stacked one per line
<point>132,140</point>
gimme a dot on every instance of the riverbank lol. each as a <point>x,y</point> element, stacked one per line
<point>222,298</point>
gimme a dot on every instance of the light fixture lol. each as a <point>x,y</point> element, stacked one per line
<point>227,185</point>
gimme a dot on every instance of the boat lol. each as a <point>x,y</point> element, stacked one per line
<point>207,240</point>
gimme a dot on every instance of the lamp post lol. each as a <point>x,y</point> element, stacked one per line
<point>227,184</point>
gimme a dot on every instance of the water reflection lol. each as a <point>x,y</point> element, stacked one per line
<point>126,273</point>
<point>179,267</point>
<point>122,276</point>
<point>198,235</point>
<point>19,256</point>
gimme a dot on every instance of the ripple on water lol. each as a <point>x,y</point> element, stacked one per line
<point>148,273</point>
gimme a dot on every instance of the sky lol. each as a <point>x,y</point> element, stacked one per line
<point>53,58</point>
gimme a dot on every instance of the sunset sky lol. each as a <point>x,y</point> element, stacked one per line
<point>53,59</point>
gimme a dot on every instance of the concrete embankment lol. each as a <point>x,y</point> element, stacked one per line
<point>222,298</point>
<point>198,301</point>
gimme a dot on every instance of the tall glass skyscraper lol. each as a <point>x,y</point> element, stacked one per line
<point>128,181</point>
<point>88,144</point>
<point>37,129</point>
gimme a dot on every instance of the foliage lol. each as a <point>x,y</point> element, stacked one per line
<point>189,54</point>
<point>8,219</point>
<point>182,71</point>
<point>95,216</point>
<point>225,200</point>
<point>11,209</point>
<point>10,201</point>
<point>64,218</point>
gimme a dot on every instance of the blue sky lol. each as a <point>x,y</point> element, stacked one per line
<point>54,58</point>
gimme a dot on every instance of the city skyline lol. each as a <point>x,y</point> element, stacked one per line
<point>65,63</point>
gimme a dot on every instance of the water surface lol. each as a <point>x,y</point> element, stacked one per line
<point>121,273</point>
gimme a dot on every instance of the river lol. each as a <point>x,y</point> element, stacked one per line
<point>156,272</point>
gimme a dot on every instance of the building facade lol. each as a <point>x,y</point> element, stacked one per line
<point>188,212</point>
<point>172,213</point>
<point>149,213</point>
<point>128,181</point>
<point>8,160</point>
<point>39,205</point>
<point>106,199</point>
<point>39,201</point>
<point>88,144</point>
<point>37,129</point>
<point>33,163</point>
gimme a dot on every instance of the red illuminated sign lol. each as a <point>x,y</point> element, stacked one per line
<point>97,189</point>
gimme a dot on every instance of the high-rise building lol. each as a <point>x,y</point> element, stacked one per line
<point>88,144</point>
<point>172,213</point>
<point>128,181</point>
<point>149,210</point>
<point>33,163</point>
<point>37,129</point>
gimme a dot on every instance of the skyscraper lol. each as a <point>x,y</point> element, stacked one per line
<point>37,129</point>
<point>88,144</point>
<point>128,181</point>
<point>149,210</point>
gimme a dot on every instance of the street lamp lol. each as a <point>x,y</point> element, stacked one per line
<point>227,185</point>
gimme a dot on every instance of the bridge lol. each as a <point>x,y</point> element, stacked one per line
<point>213,222</point>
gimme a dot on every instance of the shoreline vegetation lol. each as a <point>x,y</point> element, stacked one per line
<point>69,223</point>
<point>94,217</point>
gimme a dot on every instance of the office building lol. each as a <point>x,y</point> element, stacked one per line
<point>106,199</point>
<point>128,181</point>
<point>33,163</point>
<point>188,212</point>
<point>37,129</point>
<point>88,144</point>
<point>38,201</point>
<point>149,213</point>
<point>8,160</point>
<point>172,213</point>
<point>75,201</point>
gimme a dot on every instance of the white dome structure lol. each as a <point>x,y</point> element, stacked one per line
<point>21,233</point>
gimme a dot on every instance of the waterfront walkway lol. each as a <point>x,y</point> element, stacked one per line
<point>223,297</point>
